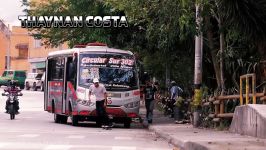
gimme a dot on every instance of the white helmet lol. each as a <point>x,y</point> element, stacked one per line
<point>95,80</point>
<point>173,82</point>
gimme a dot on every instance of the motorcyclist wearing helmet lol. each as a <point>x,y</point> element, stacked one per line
<point>11,88</point>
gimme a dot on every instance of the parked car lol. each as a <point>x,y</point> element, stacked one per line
<point>18,75</point>
<point>35,81</point>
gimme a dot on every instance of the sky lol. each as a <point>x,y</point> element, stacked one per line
<point>10,10</point>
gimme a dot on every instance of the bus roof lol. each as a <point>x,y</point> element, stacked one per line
<point>99,49</point>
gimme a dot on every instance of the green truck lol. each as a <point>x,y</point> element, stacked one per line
<point>18,75</point>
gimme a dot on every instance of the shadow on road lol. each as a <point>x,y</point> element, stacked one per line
<point>93,125</point>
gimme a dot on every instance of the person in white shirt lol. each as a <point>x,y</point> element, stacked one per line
<point>99,91</point>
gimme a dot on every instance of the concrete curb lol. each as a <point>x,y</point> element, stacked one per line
<point>182,145</point>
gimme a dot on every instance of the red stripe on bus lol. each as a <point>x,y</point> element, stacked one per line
<point>116,112</point>
<point>49,108</point>
<point>84,113</point>
<point>57,110</point>
<point>55,93</point>
<point>55,83</point>
<point>74,112</point>
<point>136,92</point>
<point>132,115</point>
<point>70,86</point>
<point>67,112</point>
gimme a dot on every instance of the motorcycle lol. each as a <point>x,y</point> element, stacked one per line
<point>12,101</point>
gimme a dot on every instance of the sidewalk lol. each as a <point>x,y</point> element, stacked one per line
<point>185,137</point>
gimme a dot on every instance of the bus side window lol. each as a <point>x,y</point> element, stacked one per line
<point>71,71</point>
<point>50,69</point>
<point>56,69</point>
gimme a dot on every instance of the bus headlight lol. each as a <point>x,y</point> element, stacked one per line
<point>132,104</point>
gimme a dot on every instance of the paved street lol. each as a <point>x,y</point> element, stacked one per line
<point>34,128</point>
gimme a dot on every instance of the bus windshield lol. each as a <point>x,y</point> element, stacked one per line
<point>115,71</point>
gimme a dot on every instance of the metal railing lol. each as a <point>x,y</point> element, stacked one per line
<point>250,96</point>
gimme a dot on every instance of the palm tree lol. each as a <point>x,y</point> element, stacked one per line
<point>247,16</point>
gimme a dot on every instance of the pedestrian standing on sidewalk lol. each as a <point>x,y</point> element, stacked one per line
<point>149,96</point>
<point>99,91</point>
<point>175,92</point>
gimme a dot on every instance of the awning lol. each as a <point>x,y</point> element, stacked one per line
<point>38,65</point>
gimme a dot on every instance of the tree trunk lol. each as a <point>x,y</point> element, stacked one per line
<point>213,52</point>
<point>261,72</point>
<point>222,45</point>
<point>221,59</point>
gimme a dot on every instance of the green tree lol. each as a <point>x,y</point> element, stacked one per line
<point>53,36</point>
<point>162,33</point>
<point>167,42</point>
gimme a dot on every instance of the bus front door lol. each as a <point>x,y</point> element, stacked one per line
<point>70,74</point>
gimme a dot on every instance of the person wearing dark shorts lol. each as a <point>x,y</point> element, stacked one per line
<point>149,96</point>
<point>101,100</point>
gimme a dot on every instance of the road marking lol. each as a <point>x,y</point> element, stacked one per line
<point>26,117</point>
<point>123,138</point>
<point>67,132</point>
<point>92,146</point>
<point>29,135</point>
<point>76,137</point>
<point>155,148</point>
<point>123,148</point>
<point>2,145</point>
<point>22,145</point>
<point>58,147</point>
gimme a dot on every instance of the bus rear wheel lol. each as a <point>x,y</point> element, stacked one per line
<point>57,118</point>
<point>60,119</point>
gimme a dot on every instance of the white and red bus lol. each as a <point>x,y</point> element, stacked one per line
<point>69,73</point>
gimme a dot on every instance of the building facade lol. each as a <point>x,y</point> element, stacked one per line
<point>4,45</point>
<point>19,49</point>
<point>26,52</point>
<point>38,53</point>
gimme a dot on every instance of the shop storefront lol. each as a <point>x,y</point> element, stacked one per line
<point>37,65</point>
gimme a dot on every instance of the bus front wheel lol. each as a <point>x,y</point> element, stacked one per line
<point>75,120</point>
<point>64,119</point>
<point>60,119</point>
<point>127,123</point>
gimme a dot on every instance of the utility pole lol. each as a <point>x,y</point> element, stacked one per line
<point>8,49</point>
<point>197,67</point>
